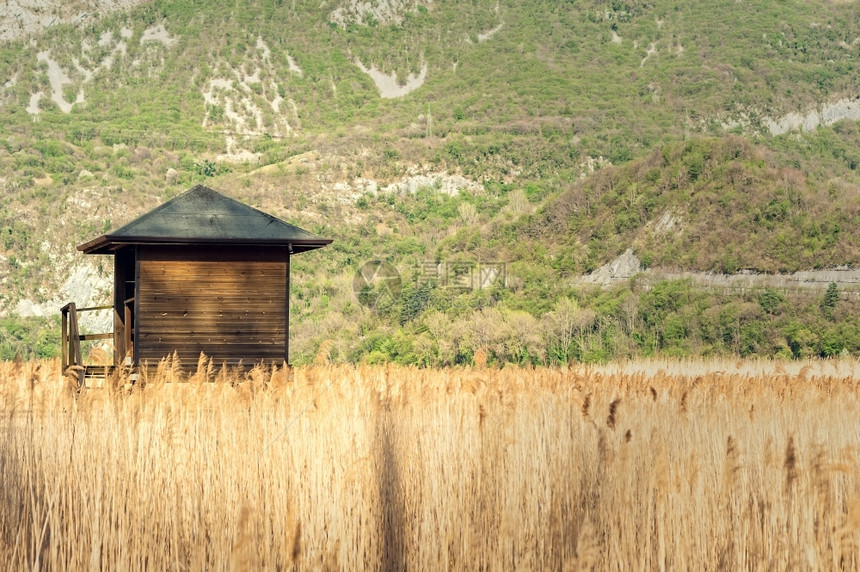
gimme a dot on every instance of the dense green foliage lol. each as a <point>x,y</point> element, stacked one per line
<point>28,338</point>
<point>672,318</point>
<point>587,128</point>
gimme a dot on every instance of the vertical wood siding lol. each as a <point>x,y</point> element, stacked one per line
<point>229,303</point>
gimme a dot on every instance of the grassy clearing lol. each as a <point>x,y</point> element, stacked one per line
<point>648,465</point>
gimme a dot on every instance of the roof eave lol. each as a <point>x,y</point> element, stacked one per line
<point>95,245</point>
<point>106,244</point>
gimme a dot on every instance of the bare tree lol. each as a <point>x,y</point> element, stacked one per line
<point>522,335</point>
<point>567,324</point>
<point>630,308</point>
<point>439,328</point>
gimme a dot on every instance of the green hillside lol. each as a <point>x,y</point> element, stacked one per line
<point>541,138</point>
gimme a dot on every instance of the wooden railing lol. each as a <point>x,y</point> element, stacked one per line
<point>73,363</point>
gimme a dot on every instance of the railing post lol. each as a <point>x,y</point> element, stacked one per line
<point>64,340</point>
<point>75,357</point>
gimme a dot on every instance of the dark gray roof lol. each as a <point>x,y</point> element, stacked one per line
<point>203,216</point>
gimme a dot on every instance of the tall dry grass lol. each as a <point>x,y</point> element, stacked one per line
<point>661,466</point>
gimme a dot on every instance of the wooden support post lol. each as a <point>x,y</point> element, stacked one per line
<point>135,311</point>
<point>128,313</point>
<point>75,358</point>
<point>287,310</point>
<point>64,339</point>
<point>119,296</point>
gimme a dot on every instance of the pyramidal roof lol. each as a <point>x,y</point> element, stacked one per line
<point>203,216</point>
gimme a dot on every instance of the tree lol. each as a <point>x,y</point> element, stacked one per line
<point>523,340</point>
<point>629,310</point>
<point>439,329</point>
<point>771,301</point>
<point>831,298</point>
<point>567,323</point>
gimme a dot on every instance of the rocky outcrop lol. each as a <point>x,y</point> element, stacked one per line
<point>827,114</point>
<point>22,18</point>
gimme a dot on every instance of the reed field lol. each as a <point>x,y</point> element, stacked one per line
<point>646,465</point>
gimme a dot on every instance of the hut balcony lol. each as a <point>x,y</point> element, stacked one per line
<point>100,361</point>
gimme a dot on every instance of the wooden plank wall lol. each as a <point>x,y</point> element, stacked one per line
<point>229,303</point>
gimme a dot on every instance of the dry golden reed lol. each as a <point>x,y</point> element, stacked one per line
<point>698,465</point>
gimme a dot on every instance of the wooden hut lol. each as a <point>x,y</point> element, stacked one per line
<point>202,273</point>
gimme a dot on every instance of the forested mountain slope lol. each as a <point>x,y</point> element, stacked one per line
<point>539,139</point>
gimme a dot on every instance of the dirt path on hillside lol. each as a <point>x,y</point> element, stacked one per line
<point>814,282</point>
<point>806,281</point>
